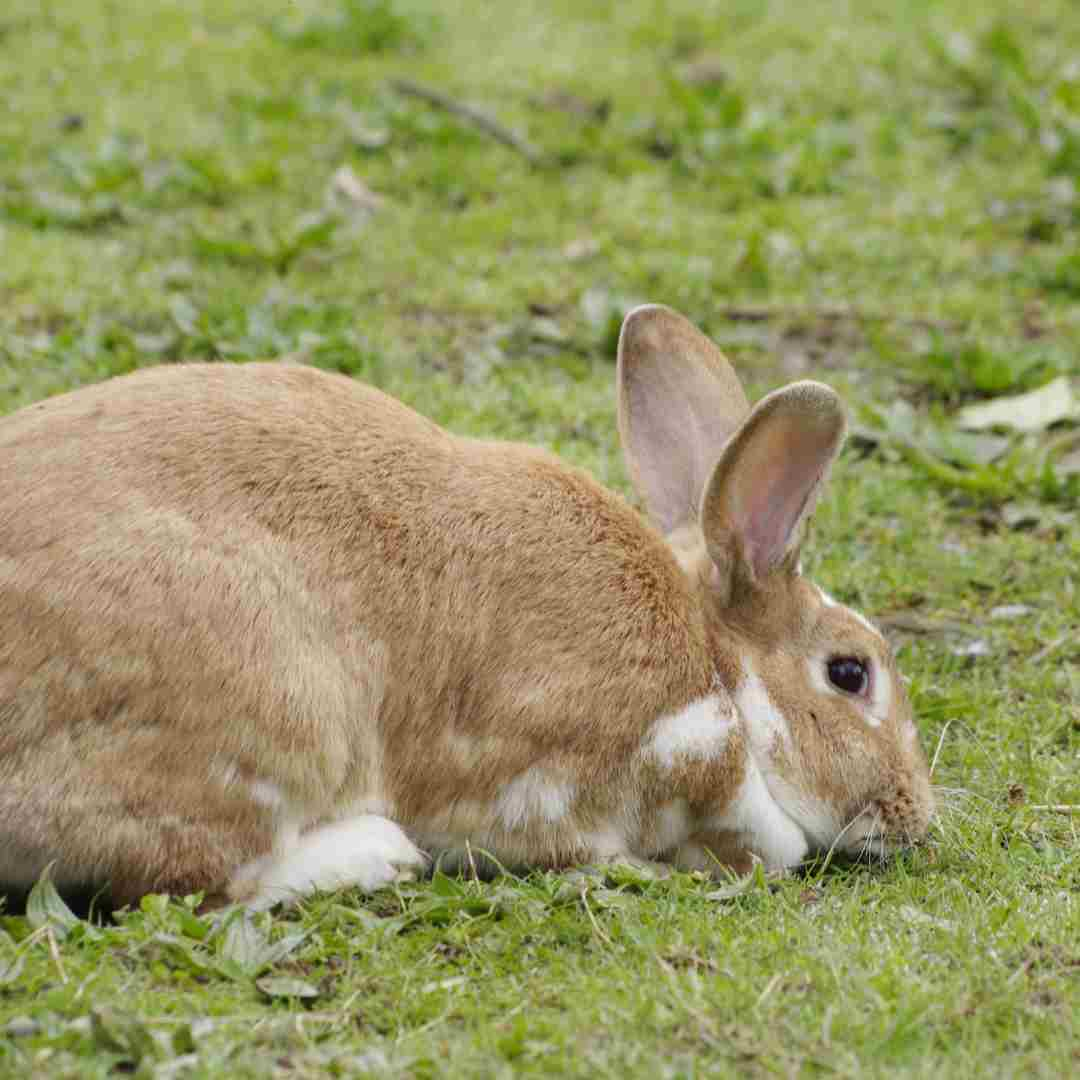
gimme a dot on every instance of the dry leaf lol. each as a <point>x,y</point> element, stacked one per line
<point>707,70</point>
<point>971,649</point>
<point>1050,404</point>
<point>346,183</point>
<point>584,247</point>
<point>1010,611</point>
<point>285,986</point>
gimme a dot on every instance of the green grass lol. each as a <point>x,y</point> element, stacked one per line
<point>879,195</point>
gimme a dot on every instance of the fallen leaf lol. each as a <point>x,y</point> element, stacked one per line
<point>1025,515</point>
<point>707,70</point>
<point>346,183</point>
<point>1065,452</point>
<point>363,137</point>
<point>547,331</point>
<point>730,892</point>
<point>21,1027</point>
<point>1010,611</point>
<point>584,247</point>
<point>452,983</point>
<point>1034,411</point>
<point>971,649</point>
<point>285,986</point>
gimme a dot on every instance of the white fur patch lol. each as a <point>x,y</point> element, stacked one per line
<point>765,724</point>
<point>368,852</point>
<point>268,794</point>
<point>672,825</point>
<point>819,822</point>
<point>880,697</point>
<point>699,732</point>
<point>533,795</point>
<point>754,814</point>
<point>778,805</point>
<point>606,843</point>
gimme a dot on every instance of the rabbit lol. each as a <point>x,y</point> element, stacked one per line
<point>267,631</point>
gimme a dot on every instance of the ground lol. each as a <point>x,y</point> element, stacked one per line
<point>882,196</point>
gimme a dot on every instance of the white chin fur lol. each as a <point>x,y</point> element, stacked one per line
<point>757,817</point>
<point>365,852</point>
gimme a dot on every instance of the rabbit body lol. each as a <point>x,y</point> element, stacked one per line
<point>266,629</point>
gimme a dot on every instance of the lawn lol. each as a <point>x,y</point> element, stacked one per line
<point>882,196</point>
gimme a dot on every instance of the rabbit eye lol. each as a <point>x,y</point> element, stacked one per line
<point>850,674</point>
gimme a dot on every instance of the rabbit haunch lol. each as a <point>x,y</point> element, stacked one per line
<point>267,630</point>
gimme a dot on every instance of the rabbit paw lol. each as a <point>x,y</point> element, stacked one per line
<point>364,852</point>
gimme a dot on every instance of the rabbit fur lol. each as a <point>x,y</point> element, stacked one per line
<point>266,630</point>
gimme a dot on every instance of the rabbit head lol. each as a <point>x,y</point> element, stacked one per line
<point>824,715</point>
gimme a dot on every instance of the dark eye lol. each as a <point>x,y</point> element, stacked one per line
<point>849,673</point>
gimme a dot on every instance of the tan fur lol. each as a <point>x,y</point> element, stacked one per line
<point>240,601</point>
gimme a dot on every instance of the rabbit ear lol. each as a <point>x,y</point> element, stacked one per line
<point>769,476</point>
<point>679,401</point>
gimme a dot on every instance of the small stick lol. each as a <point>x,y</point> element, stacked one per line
<point>471,115</point>
<point>1056,808</point>
<point>54,952</point>
<point>1054,645</point>
<point>592,918</point>
<point>753,313</point>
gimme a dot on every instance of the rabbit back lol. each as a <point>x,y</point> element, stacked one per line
<point>242,600</point>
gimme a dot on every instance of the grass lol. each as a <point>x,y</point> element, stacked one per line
<point>884,197</point>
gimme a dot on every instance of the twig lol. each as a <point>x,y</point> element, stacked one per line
<point>770,986</point>
<point>1054,645</point>
<point>480,120</point>
<point>765,313</point>
<point>54,952</point>
<point>1055,808</point>
<point>592,918</point>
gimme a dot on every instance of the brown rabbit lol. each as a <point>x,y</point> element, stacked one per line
<point>266,630</point>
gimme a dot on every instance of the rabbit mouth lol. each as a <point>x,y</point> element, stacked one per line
<point>867,837</point>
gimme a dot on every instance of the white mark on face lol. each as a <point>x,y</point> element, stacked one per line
<point>765,727</point>
<point>534,795</point>
<point>764,722</point>
<point>697,732</point>
<point>880,697</point>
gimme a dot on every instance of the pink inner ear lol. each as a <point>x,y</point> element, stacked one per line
<point>776,478</point>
